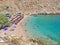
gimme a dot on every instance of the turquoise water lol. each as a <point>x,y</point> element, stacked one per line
<point>45,26</point>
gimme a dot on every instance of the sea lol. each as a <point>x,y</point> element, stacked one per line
<point>43,26</point>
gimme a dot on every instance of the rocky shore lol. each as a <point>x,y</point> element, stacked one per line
<point>45,14</point>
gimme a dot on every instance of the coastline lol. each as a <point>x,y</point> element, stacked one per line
<point>53,14</point>
<point>20,32</point>
<point>28,8</point>
<point>48,41</point>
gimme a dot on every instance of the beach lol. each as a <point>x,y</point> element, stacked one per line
<point>18,34</point>
<point>18,31</point>
<point>33,25</point>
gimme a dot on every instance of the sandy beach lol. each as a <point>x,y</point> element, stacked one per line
<point>18,31</point>
<point>27,8</point>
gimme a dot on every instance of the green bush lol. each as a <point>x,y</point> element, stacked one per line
<point>3,21</point>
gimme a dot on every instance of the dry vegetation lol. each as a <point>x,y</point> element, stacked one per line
<point>12,40</point>
<point>32,6</point>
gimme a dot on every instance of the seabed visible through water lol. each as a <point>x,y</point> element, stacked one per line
<point>43,26</point>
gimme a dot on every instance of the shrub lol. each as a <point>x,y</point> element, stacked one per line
<point>3,21</point>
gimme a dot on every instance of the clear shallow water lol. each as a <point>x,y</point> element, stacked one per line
<point>43,26</point>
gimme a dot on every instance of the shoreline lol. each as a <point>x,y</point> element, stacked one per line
<point>20,32</point>
<point>47,41</point>
<point>45,14</point>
